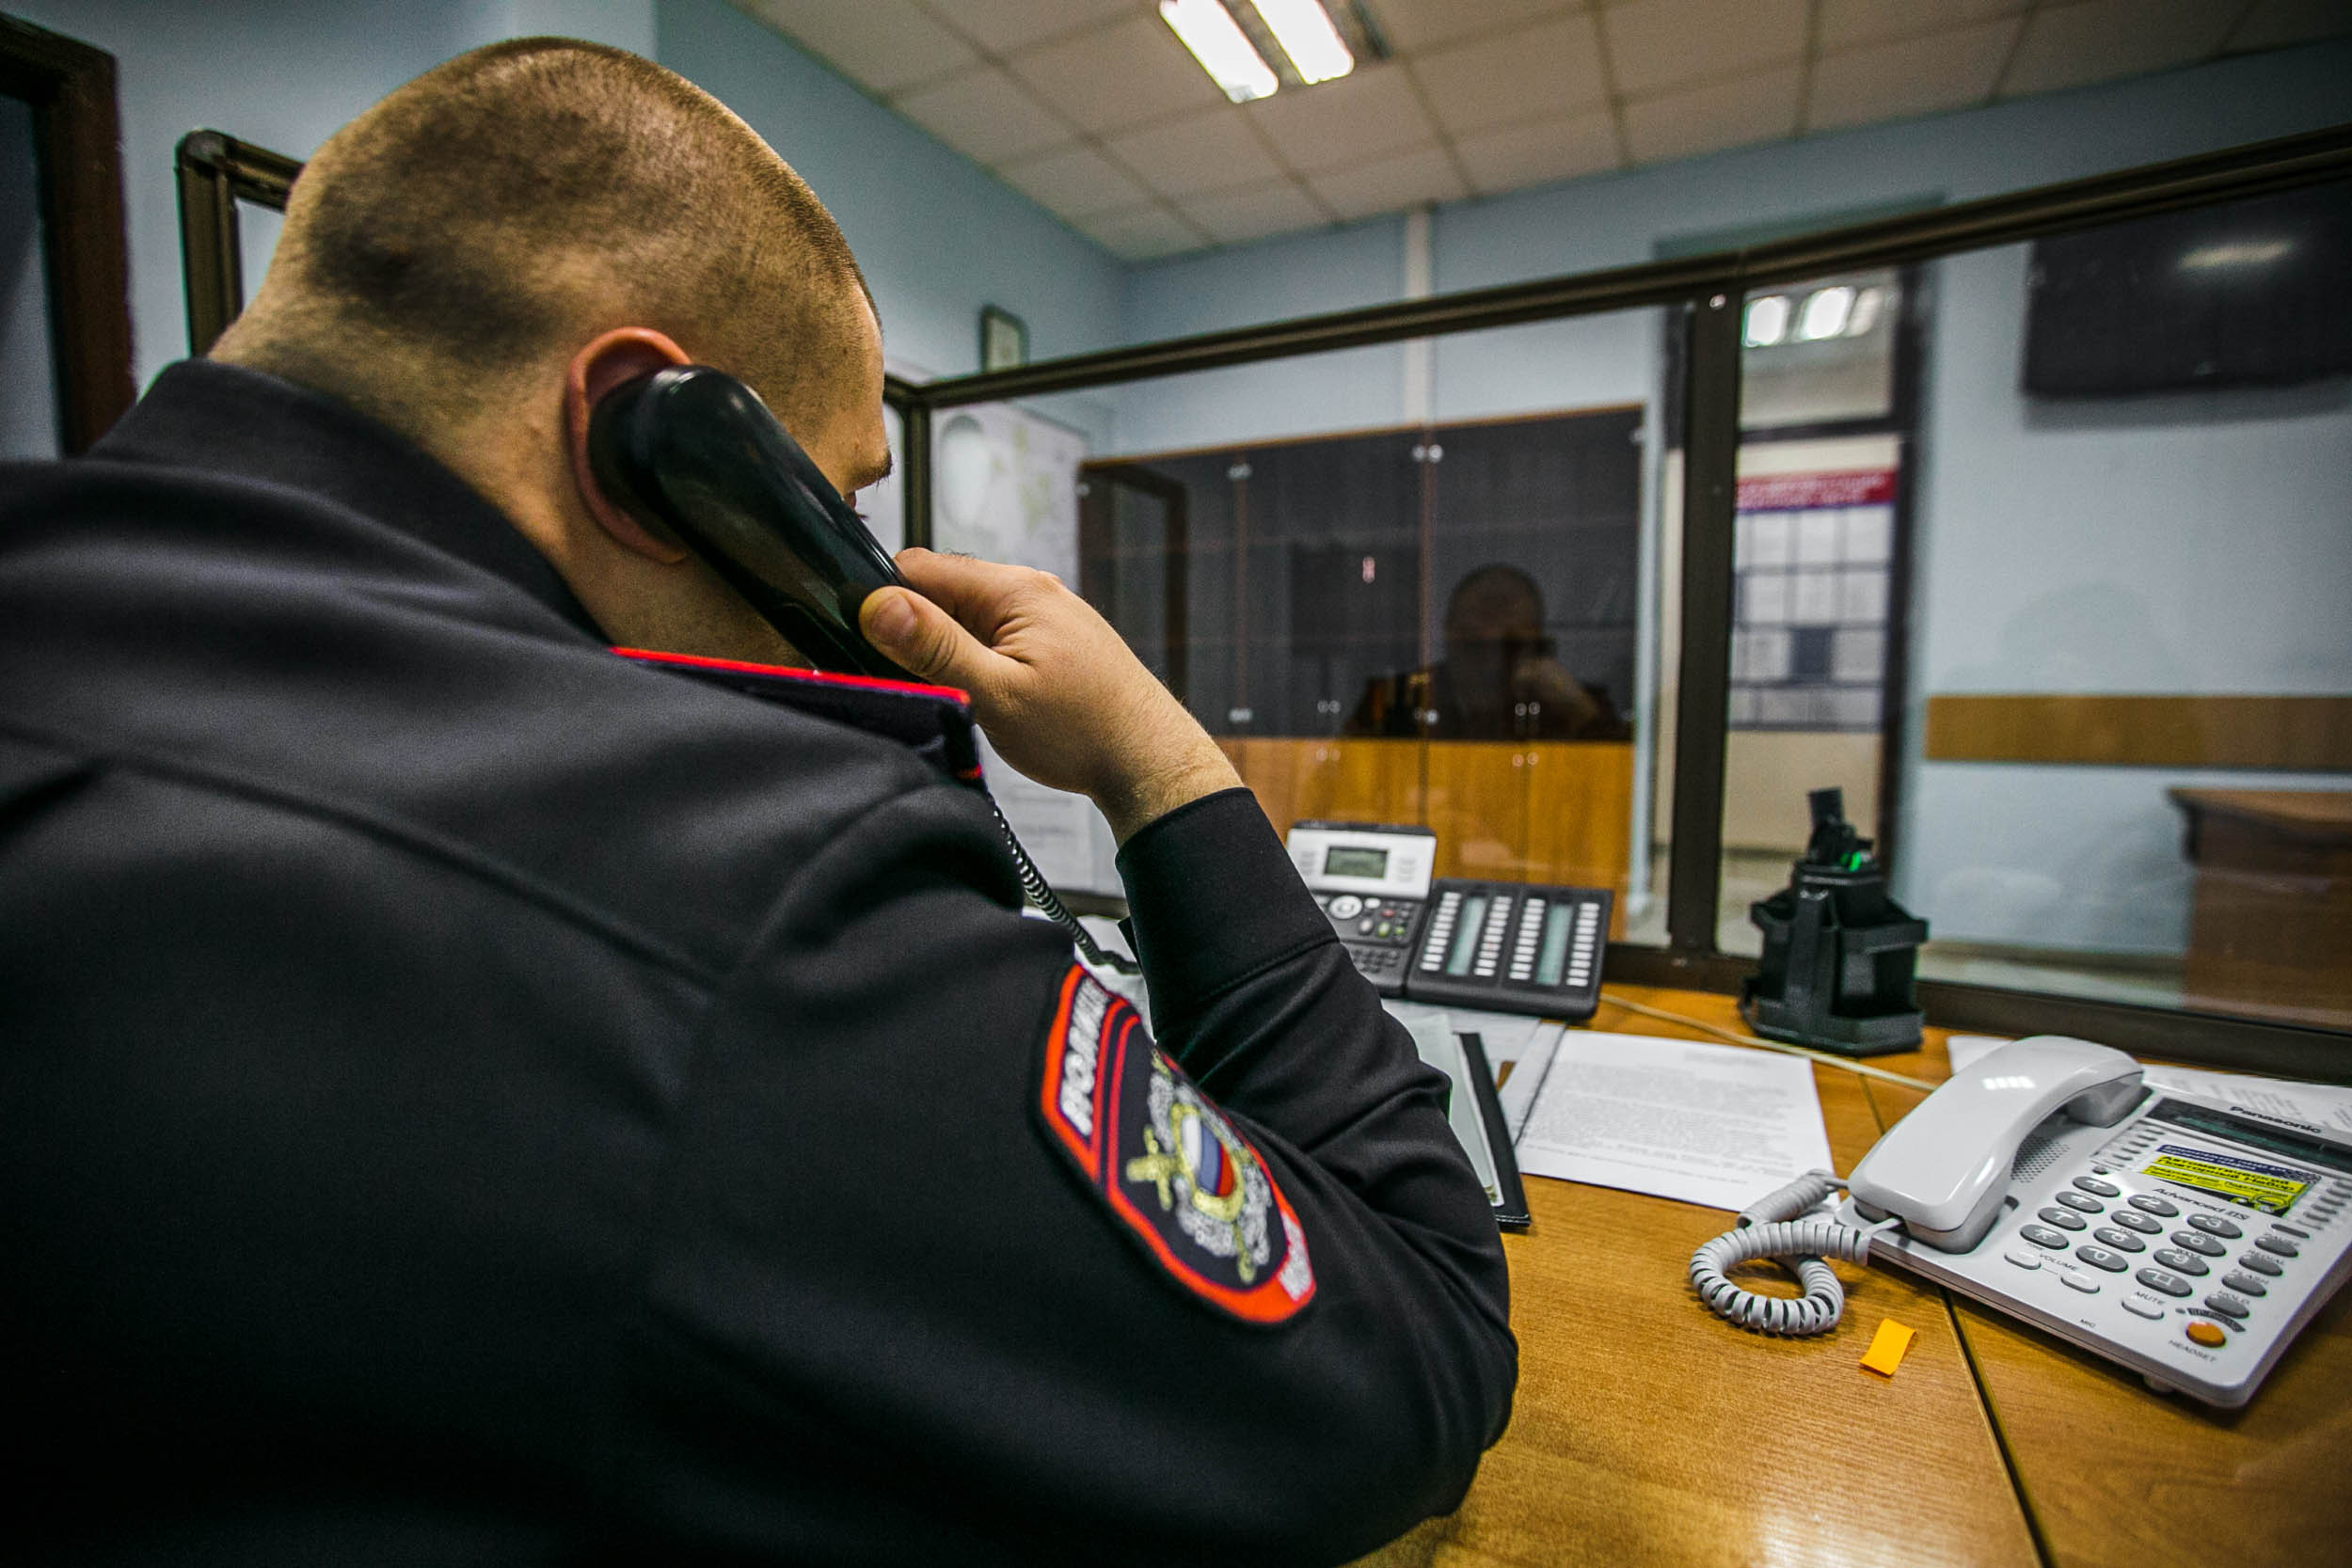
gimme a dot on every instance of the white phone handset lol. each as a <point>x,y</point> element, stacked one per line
<point>1944,1168</point>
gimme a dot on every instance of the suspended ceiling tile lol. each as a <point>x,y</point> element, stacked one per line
<point>1848,23</point>
<point>1141,233</point>
<point>984,115</point>
<point>1114,77</point>
<point>1914,76</point>
<point>1075,181</point>
<point>1425,174</point>
<point>1002,26</point>
<point>1277,207</point>
<point>1537,154</point>
<point>2097,41</point>
<point>2274,22</point>
<point>1729,114</point>
<point>1541,72</point>
<point>1344,122</point>
<point>1415,25</point>
<point>1212,151</point>
<point>1655,44</point>
<point>881,44</point>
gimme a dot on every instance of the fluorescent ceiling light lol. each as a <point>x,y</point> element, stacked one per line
<point>1223,49</point>
<point>2246,253</point>
<point>1866,306</point>
<point>1304,30</point>
<point>1768,321</point>
<point>1825,313</point>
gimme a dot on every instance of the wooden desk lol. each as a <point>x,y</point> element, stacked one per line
<point>1648,1431</point>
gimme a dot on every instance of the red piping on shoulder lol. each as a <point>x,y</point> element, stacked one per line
<point>787,672</point>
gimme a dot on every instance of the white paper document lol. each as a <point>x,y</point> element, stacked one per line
<point>1718,1125</point>
<point>2320,1104</point>
<point>1517,1048</point>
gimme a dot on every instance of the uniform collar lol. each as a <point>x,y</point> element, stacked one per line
<point>227,419</point>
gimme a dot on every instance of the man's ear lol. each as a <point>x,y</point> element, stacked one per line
<point>621,355</point>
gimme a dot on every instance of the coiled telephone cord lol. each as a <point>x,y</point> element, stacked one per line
<point>1034,888</point>
<point>1766,1229</point>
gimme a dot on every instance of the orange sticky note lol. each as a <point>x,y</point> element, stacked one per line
<point>1886,1347</point>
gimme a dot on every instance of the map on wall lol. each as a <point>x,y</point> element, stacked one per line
<point>1005,487</point>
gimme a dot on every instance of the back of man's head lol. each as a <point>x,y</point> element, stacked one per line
<point>508,204</point>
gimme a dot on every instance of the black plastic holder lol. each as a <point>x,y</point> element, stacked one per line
<point>1840,964</point>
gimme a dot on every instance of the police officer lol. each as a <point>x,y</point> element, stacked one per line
<point>469,1097</point>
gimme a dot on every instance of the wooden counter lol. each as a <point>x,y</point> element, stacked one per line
<point>1648,1431</point>
<point>1523,811</point>
<point>2271,924</point>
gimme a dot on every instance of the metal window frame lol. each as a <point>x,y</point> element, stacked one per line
<point>216,170</point>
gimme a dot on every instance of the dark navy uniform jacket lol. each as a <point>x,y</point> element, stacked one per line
<point>465,1097</point>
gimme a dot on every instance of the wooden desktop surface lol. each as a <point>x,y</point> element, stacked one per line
<point>1648,1431</point>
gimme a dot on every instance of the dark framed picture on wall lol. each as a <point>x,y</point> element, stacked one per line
<point>1004,340</point>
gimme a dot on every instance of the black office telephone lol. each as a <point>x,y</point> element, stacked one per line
<point>695,451</point>
<point>1510,947</point>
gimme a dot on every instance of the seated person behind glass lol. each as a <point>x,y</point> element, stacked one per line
<point>1499,680</point>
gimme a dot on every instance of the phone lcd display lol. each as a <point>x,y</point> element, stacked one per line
<point>1457,959</point>
<point>2254,1183</point>
<point>1555,956</point>
<point>1342,861</point>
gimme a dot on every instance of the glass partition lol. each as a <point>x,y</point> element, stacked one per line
<point>2124,731</point>
<point>1826,409</point>
<point>1449,621</point>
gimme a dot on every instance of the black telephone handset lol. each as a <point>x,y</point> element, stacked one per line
<point>696,452</point>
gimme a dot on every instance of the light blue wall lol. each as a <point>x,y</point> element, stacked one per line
<point>936,235</point>
<point>281,73</point>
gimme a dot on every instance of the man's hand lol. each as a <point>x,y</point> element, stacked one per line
<point>1058,692</point>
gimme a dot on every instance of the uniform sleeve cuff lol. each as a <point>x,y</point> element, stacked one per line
<point>1213,897</point>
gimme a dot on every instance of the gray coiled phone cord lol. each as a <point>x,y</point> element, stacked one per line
<point>1765,1229</point>
<point>1034,887</point>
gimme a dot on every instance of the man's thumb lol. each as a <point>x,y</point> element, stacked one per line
<point>918,636</point>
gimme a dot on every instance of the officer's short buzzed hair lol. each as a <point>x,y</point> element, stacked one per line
<point>497,205</point>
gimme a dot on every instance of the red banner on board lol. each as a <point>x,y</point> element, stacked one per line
<point>1793,492</point>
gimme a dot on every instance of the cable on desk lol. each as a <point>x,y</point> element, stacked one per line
<point>1738,1039</point>
<point>1767,1228</point>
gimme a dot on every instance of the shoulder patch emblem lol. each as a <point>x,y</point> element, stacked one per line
<point>1177,1176</point>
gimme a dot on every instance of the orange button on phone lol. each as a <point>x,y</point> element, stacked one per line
<point>2207,1334</point>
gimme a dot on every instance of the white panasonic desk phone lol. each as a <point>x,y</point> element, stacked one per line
<point>2187,1239</point>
